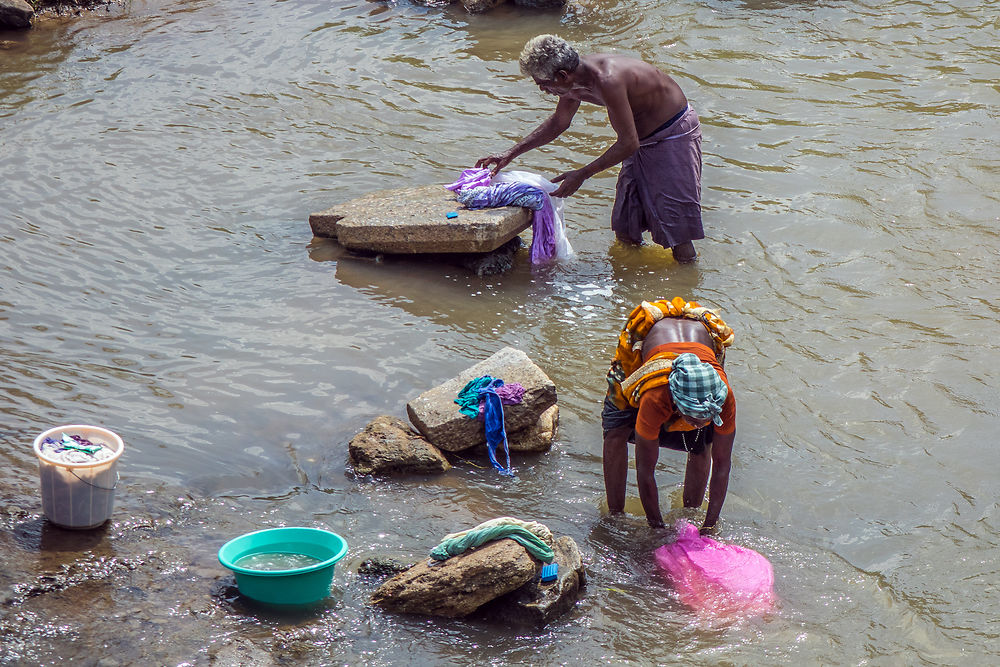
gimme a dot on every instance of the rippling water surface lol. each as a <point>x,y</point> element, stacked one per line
<point>158,276</point>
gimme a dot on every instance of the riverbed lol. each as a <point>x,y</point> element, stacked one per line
<point>158,277</point>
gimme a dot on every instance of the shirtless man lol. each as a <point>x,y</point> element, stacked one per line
<point>695,413</point>
<point>658,144</point>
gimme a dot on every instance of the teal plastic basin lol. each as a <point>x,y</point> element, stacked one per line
<point>298,586</point>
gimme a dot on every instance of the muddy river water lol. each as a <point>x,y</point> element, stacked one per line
<point>158,277</point>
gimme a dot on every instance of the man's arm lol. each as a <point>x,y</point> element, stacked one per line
<point>722,455</point>
<point>551,128</point>
<point>646,454</point>
<point>615,95</point>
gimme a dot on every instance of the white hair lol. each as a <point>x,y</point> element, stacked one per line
<point>545,55</point>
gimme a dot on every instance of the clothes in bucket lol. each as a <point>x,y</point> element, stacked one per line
<point>78,475</point>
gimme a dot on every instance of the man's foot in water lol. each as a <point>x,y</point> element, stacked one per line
<point>685,253</point>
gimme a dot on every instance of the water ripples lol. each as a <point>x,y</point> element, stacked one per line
<point>158,276</point>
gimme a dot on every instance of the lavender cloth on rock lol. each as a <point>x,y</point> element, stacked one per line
<point>475,188</point>
<point>659,186</point>
<point>470,178</point>
<point>510,394</point>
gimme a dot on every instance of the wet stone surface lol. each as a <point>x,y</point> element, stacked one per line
<point>150,573</point>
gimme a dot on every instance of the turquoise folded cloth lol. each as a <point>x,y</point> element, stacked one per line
<point>474,538</point>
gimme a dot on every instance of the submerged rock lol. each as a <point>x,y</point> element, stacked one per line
<point>388,445</point>
<point>435,413</point>
<point>460,585</point>
<point>490,263</point>
<point>15,14</point>
<point>382,566</point>
<point>480,6</point>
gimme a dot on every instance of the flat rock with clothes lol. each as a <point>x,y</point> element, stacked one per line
<point>477,189</point>
<point>493,568</point>
<point>504,402</point>
<point>436,417</point>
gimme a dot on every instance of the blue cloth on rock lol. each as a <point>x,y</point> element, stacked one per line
<point>485,390</point>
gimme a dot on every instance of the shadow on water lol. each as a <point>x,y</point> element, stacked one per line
<point>228,595</point>
<point>39,534</point>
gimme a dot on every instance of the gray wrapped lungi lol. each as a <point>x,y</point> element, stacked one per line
<point>659,186</point>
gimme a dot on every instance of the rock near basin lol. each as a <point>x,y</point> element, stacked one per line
<point>415,221</point>
<point>537,603</point>
<point>388,445</point>
<point>460,585</point>
<point>435,413</point>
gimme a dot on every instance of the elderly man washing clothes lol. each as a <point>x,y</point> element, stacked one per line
<point>667,388</point>
<point>658,143</point>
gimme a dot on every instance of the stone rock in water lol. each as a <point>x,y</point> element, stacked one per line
<point>460,585</point>
<point>539,436</point>
<point>15,14</point>
<point>538,603</point>
<point>414,220</point>
<point>388,445</point>
<point>435,413</point>
<point>490,263</point>
<point>382,566</point>
<point>479,6</point>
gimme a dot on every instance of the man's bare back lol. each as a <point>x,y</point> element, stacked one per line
<point>676,330</point>
<point>640,100</point>
<point>653,96</point>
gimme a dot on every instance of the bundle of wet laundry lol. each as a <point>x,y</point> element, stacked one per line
<point>717,579</point>
<point>475,188</point>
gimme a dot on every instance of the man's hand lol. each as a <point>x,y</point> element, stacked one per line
<point>571,182</point>
<point>501,160</point>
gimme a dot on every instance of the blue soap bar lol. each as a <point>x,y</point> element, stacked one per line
<point>550,572</point>
<point>451,214</point>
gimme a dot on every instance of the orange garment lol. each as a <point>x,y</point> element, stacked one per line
<point>628,353</point>
<point>656,406</point>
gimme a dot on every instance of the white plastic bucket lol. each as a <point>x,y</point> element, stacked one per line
<point>79,495</point>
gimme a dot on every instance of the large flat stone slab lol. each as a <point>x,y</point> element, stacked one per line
<point>435,414</point>
<point>414,220</point>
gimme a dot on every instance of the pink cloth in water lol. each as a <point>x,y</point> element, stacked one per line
<point>717,579</point>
